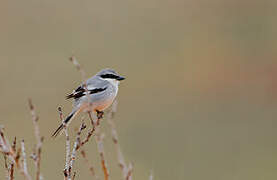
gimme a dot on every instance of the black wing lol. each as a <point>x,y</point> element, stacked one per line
<point>81,91</point>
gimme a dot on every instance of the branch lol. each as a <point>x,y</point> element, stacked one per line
<point>11,169</point>
<point>6,167</point>
<point>37,153</point>
<point>24,157</point>
<point>78,66</point>
<point>67,146</point>
<point>129,172</point>
<point>100,147</point>
<point>76,144</point>
<point>14,156</point>
<point>120,158</point>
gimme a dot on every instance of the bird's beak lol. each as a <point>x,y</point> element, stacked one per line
<point>120,78</point>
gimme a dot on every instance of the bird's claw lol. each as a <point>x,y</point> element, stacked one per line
<point>100,115</point>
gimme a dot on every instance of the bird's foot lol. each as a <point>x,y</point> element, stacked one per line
<point>100,115</point>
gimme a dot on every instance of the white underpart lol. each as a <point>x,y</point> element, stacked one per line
<point>114,83</point>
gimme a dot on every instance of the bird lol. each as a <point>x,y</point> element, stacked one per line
<point>95,94</point>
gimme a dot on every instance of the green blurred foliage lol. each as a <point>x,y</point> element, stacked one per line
<point>199,101</point>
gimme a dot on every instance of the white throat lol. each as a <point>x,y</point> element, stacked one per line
<point>113,82</point>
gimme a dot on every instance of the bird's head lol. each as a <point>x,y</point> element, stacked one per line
<point>110,75</point>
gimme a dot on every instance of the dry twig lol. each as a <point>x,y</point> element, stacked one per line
<point>78,66</point>
<point>9,168</point>
<point>100,147</point>
<point>76,144</point>
<point>129,172</point>
<point>24,156</point>
<point>67,146</point>
<point>121,162</point>
<point>36,156</point>
<point>13,156</point>
<point>71,155</point>
<point>6,167</point>
<point>74,174</point>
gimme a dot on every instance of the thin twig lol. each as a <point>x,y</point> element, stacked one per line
<point>24,162</point>
<point>39,139</point>
<point>75,146</point>
<point>67,146</point>
<point>14,144</point>
<point>6,167</point>
<point>78,66</point>
<point>11,168</point>
<point>120,158</point>
<point>13,156</point>
<point>74,174</point>
<point>129,172</point>
<point>67,149</point>
<point>100,147</point>
<point>83,142</point>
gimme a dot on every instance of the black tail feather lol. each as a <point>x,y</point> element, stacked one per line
<point>57,132</point>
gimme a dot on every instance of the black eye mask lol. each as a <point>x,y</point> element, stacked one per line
<point>110,76</point>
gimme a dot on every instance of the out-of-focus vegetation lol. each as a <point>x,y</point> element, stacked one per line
<point>199,100</point>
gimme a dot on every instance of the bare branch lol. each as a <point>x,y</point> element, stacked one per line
<point>78,66</point>
<point>74,174</point>
<point>100,147</point>
<point>129,172</point>
<point>39,139</point>
<point>67,145</point>
<point>120,158</point>
<point>24,162</point>
<point>83,142</point>
<point>75,146</point>
<point>6,167</point>
<point>13,156</point>
<point>11,169</point>
<point>14,144</point>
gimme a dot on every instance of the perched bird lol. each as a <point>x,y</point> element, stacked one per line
<point>95,95</point>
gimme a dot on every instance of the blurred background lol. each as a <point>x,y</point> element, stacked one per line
<point>200,97</point>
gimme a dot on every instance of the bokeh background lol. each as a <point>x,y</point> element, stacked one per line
<point>200,97</point>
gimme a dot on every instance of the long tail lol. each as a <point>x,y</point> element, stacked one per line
<point>66,121</point>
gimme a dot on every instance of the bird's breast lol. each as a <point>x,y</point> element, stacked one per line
<point>103,101</point>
